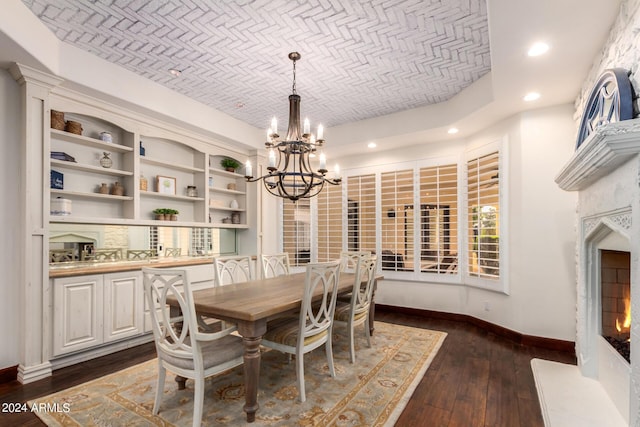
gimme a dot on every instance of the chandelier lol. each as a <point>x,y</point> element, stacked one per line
<point>290,174</point>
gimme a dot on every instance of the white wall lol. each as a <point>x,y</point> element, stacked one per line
<point>542,226</point>
<point>621,50</point>
<point>541,240</point>
<point>9,218</point>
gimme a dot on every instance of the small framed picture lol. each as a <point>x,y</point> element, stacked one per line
<point>165,184</point>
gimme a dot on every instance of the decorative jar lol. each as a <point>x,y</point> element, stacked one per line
<point>235,218</point>
<point>106,136</point>
<point>106,161</point>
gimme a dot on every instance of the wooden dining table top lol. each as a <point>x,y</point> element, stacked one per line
<point>259,299</point>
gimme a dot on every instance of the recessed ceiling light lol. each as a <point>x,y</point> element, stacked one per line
<point>452,131</point>
<point>538,49</point>
<point>372,145</point>
<point>531,96</point>
<point>175,72</point>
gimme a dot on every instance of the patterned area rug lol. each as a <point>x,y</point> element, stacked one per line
<point>371,392</point>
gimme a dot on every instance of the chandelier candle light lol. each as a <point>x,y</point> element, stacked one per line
<point>290,173</point>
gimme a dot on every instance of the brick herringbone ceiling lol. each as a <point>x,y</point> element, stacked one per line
<point>360,58</point>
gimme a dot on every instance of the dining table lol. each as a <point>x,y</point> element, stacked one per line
<point>250,305</point>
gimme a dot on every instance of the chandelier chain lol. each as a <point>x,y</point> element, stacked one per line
<point>293,88</point>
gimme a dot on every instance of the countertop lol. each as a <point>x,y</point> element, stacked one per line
<point>86,268</point>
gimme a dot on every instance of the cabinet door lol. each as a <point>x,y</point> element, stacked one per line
<point>123,305</point>
<point>77,313</point>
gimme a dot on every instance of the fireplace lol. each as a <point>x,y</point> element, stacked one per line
<point>615,300</point>
<point>605,171</point>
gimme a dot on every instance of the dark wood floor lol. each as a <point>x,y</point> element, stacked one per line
<point>476,379</point>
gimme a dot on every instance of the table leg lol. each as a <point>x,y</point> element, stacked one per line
<point>251,375</point>
<point>251,338</point>
<point>372,308</point>
<point>181,382</point>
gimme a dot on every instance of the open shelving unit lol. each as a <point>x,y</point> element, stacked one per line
<point>163,157</point>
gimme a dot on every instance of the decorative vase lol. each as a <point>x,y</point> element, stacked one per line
<point>117,189</point>
<point>235,218</point>
<point>192,191</point>
<point>104,189</point>
<point>234,204</point>
<point>106,161</point>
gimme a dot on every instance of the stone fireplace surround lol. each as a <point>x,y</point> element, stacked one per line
<point>605,171</point>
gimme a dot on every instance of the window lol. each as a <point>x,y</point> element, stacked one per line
<point>439,219</point>
<point>361,213</point>
<point>434,220</point>
<point>329,203</point>
<point>397,240</point>
<point>296,230</point>
<point>483,216</point>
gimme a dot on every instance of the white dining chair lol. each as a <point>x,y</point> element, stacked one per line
<point>233,269</point>
<point>348,262</point>
<point>181,347</point>
<point>356,311</point>
<point>349,259</point>
<point>275,265</point>
<point>313,326</point>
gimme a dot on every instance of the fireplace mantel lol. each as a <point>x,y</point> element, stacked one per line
<point>606,148</point>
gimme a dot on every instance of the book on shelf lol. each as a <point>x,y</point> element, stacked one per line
<point>60,155</point>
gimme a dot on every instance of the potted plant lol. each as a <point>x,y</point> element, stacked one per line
<point>172,213</point>
<point>160,213</point>
<point>229,164</point>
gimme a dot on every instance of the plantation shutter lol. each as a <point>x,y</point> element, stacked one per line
<point>361,213</point>
<point>483,226</point>
<point>329,203</point>
<point>398,215</point>
<point>439,219</point>
<point>296,230</point>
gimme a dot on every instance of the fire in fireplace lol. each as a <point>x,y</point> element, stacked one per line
<point>615,284</point>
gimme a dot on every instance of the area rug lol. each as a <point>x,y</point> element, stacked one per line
<point>371,392</point>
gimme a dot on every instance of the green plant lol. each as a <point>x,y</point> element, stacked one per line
<point>165,211</point>
<point>228,162</point>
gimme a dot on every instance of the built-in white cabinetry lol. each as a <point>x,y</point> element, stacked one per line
<point>170,168</point>
<point>227,196</point>
<point>83,175</point>
<point>123,314</point>
<point>77,313</point>
<point>168,173</point>
<point>89,311</point>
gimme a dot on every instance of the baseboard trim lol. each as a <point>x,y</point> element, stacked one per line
<point>517,337</point>
<point>8,374</point>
